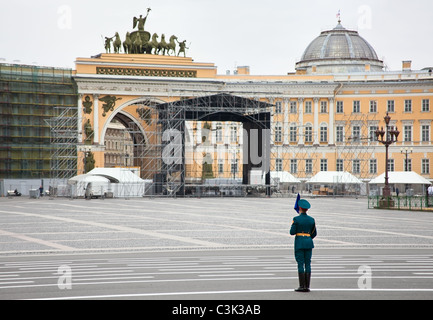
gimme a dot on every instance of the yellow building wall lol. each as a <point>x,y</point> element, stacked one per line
<point>380,93</point>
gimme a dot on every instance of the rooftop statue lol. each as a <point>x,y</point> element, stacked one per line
<point>127,44</point>
<point>182,47</point>
<point>117,43</point>
<point>141,41</point>
<point>108,44</point>
<point>141,21</point>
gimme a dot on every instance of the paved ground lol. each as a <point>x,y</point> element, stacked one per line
<point>209,248</point>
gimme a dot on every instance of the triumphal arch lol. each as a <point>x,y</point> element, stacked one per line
<point>170,106</point>
<point>184,128</point>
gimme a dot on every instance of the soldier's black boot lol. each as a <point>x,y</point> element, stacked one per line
<point>301,277</point>
<point>307,281</point>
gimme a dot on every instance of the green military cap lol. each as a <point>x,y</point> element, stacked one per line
<point>304,204</point>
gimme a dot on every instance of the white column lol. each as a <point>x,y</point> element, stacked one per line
<point>316,122</point>
<point>272,121</point>
<point>80,118</point>
<point>301,121</point>
<point>331,122</point>
<point>286,121</point>
<point>96,118</point>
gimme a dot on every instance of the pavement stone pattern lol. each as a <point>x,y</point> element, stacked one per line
<point>77,226</point>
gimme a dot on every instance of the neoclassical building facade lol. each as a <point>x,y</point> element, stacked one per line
<point>323,117</point>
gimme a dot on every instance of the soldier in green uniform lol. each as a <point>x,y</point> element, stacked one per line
<point>304,228</point>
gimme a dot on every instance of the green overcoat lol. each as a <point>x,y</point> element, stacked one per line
<point>303,224</point>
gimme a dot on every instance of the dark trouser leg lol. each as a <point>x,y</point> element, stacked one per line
<point>307,259</point>
<point>303,259</point>
<point>300,259</point>
<point>307,256</point>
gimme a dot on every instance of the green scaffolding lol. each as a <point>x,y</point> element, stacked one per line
<point>31,97</point>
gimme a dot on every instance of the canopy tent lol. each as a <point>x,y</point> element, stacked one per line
<point>116,175</point>
<point>87,178</point>
<point>408,182</point>
<point>95,185</point>
<point>116,182</point>
<point>283,177</point>
<point>335,183</point>
<point>333,177</point>
<point>401,177</point>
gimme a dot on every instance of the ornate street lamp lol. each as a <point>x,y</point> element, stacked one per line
<point>387,137</point>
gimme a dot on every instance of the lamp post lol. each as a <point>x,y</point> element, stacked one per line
<point>387,137</point>
<point>406,151</point>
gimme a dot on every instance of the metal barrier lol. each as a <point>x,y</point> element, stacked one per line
<point>401,202</point>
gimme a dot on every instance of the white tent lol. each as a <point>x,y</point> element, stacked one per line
<point>96,185</point>
<point>334,177</point>
<point>336,183</point>
<point>408,182</point>
<point>401,177</point>
<point>116,175</point>
<point>118,182</point>
<point>283,177</point>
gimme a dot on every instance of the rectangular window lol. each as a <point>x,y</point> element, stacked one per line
<point>233,134</point>
<point>293,134</point>
<point>308,107</point>
<point>340,107</point>
<point>390,106</point>
<point>425,133</point>
<point>278,133</point>
<point>425,166</point>
<point>356,166</point>
<point>373,166</point>
<point>293,166</point>
<point>390,165</point>
<point>323,106</point>
<point>278,164</point>
<point>340,165</point>
<point>425,105</point>
<point>372,133</point>
<point>407,133</point>
<point>278,108</point>
<point>407,105</point>
<point>339,131</point>
<point>373,106</point>
<point>356,133</point>
<point>323,134</point>
<point>308,134</point>
<point>220,166</point>
<point>293,107</point>
<point>407,166</point>
<point>323,164</point>
<point>309,166</point>
<point>356,106</point>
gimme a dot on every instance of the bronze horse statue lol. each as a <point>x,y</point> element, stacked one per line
<point>127,44</point>
<point>162,45</point>
<point>137,44</point>
<point>153,43</point>
<point>171,46</point>
<point>117,43</point>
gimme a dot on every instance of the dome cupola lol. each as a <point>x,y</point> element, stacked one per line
<point>339,51</point>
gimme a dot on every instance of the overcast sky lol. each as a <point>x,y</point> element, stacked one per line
<point>269,36</point>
